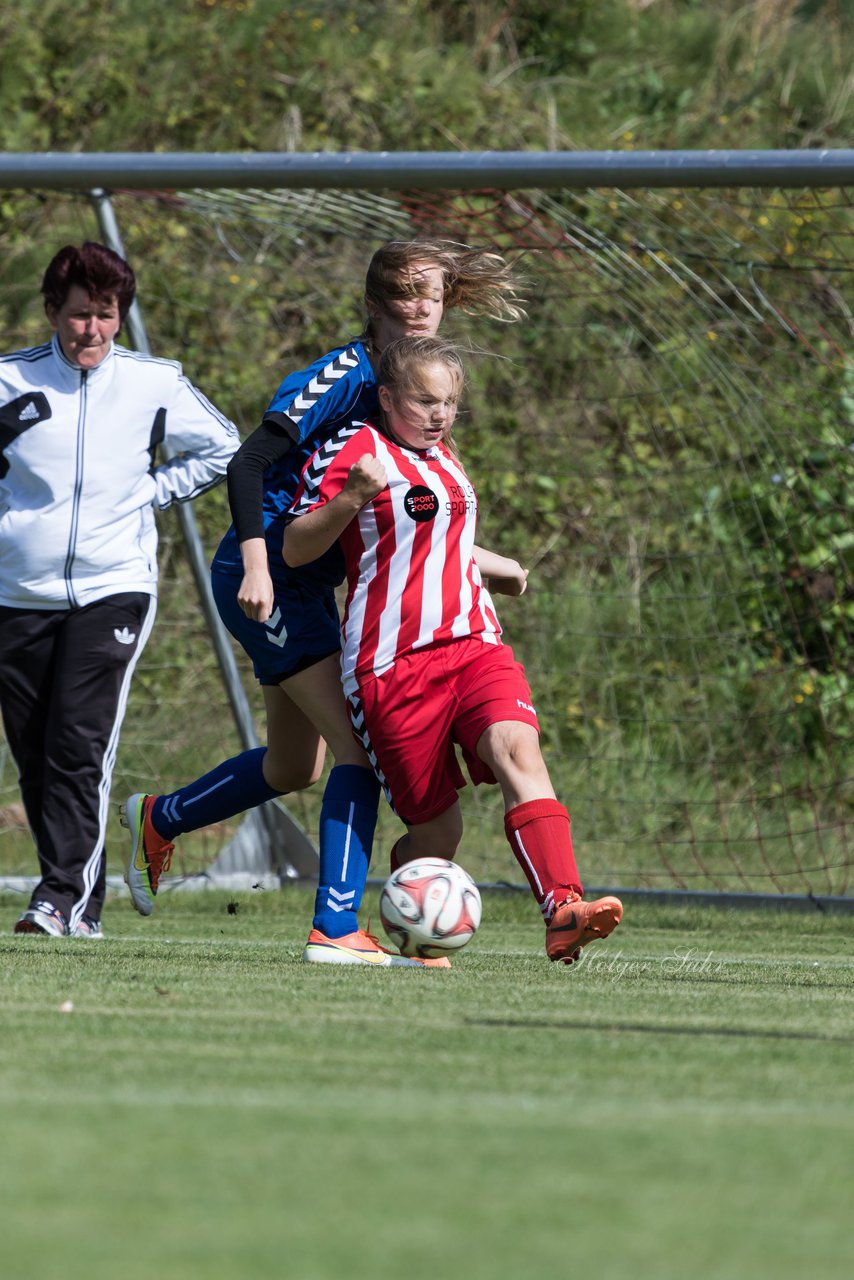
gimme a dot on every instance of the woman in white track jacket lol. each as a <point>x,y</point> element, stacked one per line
<point>81,420</point>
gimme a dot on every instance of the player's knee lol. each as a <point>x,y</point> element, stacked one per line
<point>439,838</point>
<point>444,849</point>
<point>515,750</point>
<point>292,775</point>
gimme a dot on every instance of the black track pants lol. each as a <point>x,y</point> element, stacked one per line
<point>64,682</point>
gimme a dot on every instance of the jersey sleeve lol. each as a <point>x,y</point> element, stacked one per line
<point>198,441</point>
<point>266,445</point>
<point>325,473</point>
<point>326,390</point>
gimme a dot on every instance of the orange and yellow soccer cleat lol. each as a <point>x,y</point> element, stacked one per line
<point>361,948</point>
<point>150,854</point>
<point>576,923</point>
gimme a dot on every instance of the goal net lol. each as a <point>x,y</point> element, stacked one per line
<point>667,441</point>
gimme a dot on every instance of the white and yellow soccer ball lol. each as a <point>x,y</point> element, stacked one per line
<point>430,907</point>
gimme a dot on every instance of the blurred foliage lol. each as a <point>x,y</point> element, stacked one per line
<point>210,75</point>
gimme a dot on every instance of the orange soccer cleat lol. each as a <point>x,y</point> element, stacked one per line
<point>361,948</point>
<point>576,923</point>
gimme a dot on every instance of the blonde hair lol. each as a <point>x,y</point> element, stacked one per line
<point>475,280</point>
<point>402,361</point>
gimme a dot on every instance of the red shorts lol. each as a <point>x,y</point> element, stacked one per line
<point>411,719</point>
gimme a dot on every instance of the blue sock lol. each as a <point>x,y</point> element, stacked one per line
<point>232,787</point>
<point>348,817</point>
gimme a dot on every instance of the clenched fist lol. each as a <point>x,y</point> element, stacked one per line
<point>366,478</point>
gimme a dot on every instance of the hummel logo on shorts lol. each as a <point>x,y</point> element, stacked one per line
<point>124,636</point>
<point>526,706</point>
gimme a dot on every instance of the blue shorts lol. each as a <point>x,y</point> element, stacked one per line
<point>303,629</point>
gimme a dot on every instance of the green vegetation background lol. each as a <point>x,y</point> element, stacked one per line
<point>210,75</point>
<point>226,75</point>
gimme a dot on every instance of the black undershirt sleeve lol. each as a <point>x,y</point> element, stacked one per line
<point>266,445</point>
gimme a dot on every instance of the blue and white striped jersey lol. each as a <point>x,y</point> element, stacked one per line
<point>309,407</point>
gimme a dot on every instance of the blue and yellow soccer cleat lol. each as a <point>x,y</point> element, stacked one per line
<point>150,855</point>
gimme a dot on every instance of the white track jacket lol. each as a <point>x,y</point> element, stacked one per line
<point>78,480</point>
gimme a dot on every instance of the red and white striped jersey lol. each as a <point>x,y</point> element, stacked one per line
<point>411,577</point>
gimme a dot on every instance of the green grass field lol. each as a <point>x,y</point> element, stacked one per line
<point>679,1105</point>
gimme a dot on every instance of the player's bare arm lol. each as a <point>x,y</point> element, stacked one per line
<point>313,533</point>
<point>503,575</point>
<point>255,595</point>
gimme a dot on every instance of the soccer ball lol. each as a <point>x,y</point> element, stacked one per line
<point>430,907</point>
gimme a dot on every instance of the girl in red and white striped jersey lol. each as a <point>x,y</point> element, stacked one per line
<point>423,665</point>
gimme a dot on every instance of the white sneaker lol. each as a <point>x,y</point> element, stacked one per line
<point>43,917</point>
<point>88,928</point>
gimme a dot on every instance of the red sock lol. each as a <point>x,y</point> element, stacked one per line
<point>538,833</point>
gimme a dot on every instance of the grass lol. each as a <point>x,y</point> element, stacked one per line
<point>678,1105</point>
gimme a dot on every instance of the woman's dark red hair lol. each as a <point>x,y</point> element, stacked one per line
<point>95,268</point>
